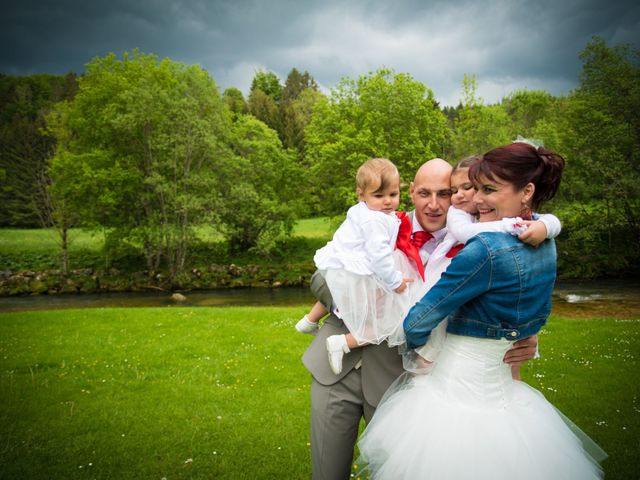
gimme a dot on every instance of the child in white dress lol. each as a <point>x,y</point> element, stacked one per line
<point>461,226</point>
<point>367,279</point>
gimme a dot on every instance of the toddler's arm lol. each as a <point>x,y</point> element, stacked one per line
<point>546,226</point>
<point>463,225</point>
<point>552,223</point>
<point>379,251</point>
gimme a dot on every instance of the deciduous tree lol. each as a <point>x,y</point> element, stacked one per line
<point>478,127</point>
<point>138,151</point>
<point>596,129</point>
<point>382,114</point>
<point>259,190</point>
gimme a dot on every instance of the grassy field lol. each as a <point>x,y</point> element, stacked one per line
<point>39,249</point>
<point>206,393</point>
<point>16,240</point>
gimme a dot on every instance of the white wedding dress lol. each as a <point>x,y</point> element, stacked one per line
<point>467,419</point>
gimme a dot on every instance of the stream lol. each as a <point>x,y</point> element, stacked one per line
<point>610,298</point>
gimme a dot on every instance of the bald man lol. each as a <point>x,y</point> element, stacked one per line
<point>338,402</point>
<point>430,193</point>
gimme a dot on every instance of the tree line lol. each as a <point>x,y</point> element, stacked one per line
<point>147,150</point>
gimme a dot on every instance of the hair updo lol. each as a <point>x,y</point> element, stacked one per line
<point>519,164</point>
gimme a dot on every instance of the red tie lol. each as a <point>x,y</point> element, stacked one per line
<point>404,243</point>
<point>453,251</point>
<point>420,238</point>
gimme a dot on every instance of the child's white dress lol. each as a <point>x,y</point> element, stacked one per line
<point>362,269</point>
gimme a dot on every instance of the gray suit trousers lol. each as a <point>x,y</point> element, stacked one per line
<point>338,402</point>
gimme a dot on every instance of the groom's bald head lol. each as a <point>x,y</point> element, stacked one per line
<point>430,192</point>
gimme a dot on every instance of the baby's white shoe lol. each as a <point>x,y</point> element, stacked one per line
<point>304,325</point>
<point>336,348</point>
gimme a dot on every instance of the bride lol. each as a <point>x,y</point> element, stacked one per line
<point>467,418</point>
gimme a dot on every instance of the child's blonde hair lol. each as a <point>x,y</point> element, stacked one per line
<point>376,174</point>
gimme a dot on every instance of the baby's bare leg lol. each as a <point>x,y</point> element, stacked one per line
<point>309,323</point>
<point>352,342</point>
<point>317,312</point>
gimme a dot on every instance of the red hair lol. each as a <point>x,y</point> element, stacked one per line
<point>519,164</point>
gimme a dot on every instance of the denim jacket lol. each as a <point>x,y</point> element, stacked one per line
<point>496,287</point>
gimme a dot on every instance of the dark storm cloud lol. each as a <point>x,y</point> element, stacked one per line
<point>507,44</point>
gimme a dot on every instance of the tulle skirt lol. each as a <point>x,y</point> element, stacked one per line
<point>467,419</point>
<point>370,312</point>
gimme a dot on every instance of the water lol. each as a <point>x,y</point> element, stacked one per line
<point>602,298</point>
<point>205,298</point>
<point>570,299</point>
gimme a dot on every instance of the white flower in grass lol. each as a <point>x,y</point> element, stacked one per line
<point>188,460</point>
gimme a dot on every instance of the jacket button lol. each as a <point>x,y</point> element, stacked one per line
<point>514,334</point>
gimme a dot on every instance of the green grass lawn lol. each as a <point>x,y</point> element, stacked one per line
<point>42,240</point>
<point>321,227</point>
<point>39,249</point>
<point>204,393</point>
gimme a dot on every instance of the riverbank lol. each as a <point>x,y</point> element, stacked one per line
<point>571,299</point>
<point>213,276</point>
<point>29,260</point>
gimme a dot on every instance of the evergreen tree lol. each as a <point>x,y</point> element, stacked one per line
<point>25,149</point>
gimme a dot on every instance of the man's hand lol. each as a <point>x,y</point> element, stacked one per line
<point>522,351</point>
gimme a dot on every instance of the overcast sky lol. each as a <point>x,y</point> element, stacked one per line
<point>508,44</point>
